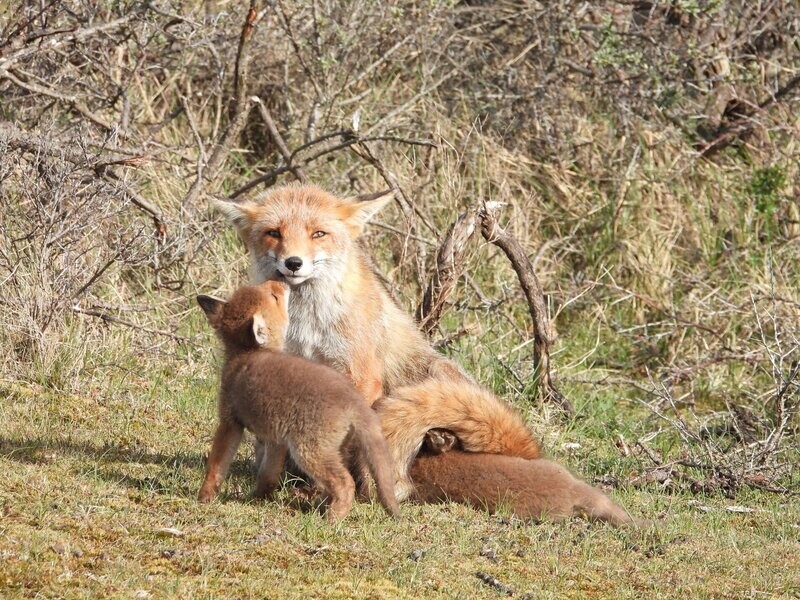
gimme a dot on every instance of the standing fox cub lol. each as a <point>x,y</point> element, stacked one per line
<point>292,405</point>
<point>342,316</point>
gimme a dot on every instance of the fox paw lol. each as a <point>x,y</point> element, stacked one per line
<point>439,441</point>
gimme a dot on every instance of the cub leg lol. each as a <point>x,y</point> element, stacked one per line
<point>270,468</point>
<point>226,441</point>
<point>337,481</point>
<point>357,465</point>
<point>325,466</point>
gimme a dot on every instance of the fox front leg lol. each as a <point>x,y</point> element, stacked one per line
<point>226,441</point>
<point>366,374</point>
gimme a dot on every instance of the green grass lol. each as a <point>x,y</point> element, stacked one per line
<point>88,481</point>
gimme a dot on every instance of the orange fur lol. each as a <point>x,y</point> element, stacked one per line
<point>474,415</point>
<point>531,489</point>
<point>341,315</point>
<point>294,407</point>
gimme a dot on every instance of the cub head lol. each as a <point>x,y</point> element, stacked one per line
<point>256,316</point>
<point>297,233</point>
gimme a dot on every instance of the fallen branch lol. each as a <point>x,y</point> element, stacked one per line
<point>495,583</point>
<point>742,127</point>
<point>543,339</point>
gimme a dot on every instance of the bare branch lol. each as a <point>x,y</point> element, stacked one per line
<point>278,139</point>
<point>543,339</point>
<point>113,319</point>
<point>239,111</point>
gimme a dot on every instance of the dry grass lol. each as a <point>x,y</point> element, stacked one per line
<point>672,279</point>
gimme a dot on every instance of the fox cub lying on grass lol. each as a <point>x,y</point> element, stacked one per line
<point>531,489</point>
<point>292,405</point>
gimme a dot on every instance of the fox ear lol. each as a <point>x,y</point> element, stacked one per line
<point>239,214</point>
<point>360,209</point>
<point>260,330</point>
<point>212,307</point>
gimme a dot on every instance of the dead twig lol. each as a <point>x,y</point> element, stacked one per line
<point>404,202</point>
<point>349,138</point>
<point>71,35</point>
<point>101,164</point>
<point>112,319</point>
<point>495,583</point>
<point>543,339</point>
<point>69,99</point>
<point>278,139</point>
<point>239,110</point>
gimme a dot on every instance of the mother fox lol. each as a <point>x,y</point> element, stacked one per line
<point>341,315</point>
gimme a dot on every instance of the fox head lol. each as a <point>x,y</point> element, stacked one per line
<point>256,316</point>
<point>295,233</point>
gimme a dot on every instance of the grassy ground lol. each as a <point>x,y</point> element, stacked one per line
<point>97,499</point>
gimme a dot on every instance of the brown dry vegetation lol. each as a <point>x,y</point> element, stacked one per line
<point>647,152</point>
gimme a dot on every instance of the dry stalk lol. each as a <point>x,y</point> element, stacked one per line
<point>448,269</point>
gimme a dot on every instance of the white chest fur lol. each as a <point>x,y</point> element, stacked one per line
<point>316,311</point>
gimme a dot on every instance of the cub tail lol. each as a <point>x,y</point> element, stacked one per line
<point>481,421</point>
<point>375,453</point>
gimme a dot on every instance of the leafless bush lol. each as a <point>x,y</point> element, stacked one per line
<point>75,239</point>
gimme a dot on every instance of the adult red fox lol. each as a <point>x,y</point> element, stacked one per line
<point>341,315</point>
<point>294,406</point>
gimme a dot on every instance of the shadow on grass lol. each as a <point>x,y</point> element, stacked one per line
<point>104,461</point>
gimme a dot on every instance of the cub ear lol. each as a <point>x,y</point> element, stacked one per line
<point>360,209</point>
<point>239,214</point>
<point>260,330</point>
<point>212,307</point>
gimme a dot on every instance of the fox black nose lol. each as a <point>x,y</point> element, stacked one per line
<point>293,263</point>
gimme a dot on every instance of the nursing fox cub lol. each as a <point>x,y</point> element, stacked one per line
<point>341,315</point>
<point>531,489</point>
<point>292,405</point>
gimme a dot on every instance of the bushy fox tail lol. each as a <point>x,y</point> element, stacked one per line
<point>375,453</point>
<point>481,421</point>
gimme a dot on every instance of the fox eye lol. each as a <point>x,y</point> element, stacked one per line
<point>274,296</point>
<point>274,233</point>
<point>318,234</point>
